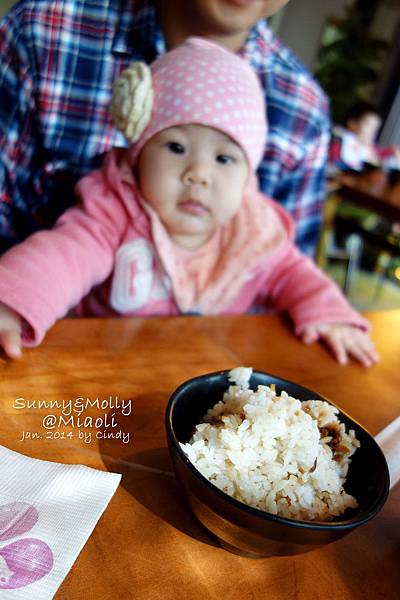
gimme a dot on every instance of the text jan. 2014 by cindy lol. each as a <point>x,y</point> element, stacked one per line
<point>67,419</point>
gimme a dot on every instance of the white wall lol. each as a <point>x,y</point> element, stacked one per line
<point>391,130</point>
<point>385,24</point>
<point>302,23</point>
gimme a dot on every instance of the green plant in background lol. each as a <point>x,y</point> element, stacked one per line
<point>349,60</point>
<point>394,270</point>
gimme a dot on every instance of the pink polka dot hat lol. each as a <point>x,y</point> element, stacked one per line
<point>199,82</point>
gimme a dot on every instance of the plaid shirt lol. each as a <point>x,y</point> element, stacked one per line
<point>58,60</point>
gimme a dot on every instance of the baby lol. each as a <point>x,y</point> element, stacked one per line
<point>175,223</point>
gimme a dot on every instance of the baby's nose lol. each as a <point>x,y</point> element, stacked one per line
<point>197,175</point>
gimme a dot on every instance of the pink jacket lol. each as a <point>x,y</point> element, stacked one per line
<point>111,252</point>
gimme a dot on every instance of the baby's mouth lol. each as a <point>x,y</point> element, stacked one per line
<point>193,207</point>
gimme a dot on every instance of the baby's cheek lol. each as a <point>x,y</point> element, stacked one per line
<point>227,214</point>
<point>235,201</point>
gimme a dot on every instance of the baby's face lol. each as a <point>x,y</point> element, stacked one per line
<point>194,178</point>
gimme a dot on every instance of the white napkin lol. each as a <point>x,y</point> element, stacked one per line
<point>389,441</point>
<point>47,512</point>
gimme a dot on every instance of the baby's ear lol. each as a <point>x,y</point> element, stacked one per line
<point>132,100</point>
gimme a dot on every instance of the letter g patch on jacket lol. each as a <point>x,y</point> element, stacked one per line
<point>135,280</point>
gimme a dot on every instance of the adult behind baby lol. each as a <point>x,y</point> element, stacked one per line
<point>176,223</point>
<point>58,60</point>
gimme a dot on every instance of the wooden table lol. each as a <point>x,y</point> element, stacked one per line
<point>147,545</point>
<point>373,191</point>
<point>370,191</point>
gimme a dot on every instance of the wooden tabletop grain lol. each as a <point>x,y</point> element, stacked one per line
<point>372,191</point>
<point>147,545</point>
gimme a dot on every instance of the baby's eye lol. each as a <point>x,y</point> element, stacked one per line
<point>225,159</point>
<point>175,147</point>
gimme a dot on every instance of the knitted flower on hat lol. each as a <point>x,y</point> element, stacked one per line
<point>199,82</point>
<point>132,101</point>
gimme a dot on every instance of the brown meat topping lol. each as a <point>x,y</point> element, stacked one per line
<point>333,431</point>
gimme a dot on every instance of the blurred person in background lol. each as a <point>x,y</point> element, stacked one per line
<point>354,145</point>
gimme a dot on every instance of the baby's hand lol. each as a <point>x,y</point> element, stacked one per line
<point>343,341</point>
<point>10,332</point>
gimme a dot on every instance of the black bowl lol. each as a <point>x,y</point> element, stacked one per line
<point>248,531</point>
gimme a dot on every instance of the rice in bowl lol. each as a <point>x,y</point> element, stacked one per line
<point>274,452</point>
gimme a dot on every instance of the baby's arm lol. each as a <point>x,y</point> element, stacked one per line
<point>52,270</point>
<point>10,332</point>
<point>344,341</point>
<point>318,308</point>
